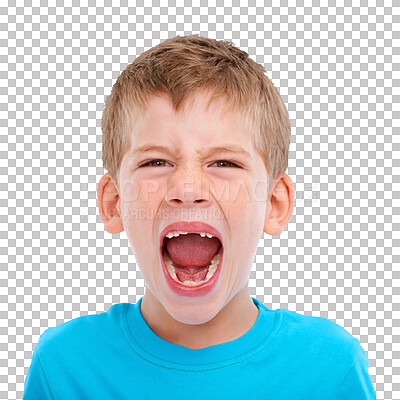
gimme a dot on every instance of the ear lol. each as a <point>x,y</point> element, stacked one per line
<point>279,206</point>
<point>109,204</point>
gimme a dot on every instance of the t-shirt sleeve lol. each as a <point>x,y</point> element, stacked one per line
<point>36,386</point>
<point>357,384</point>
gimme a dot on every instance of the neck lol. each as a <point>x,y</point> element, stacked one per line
<point>232,322</point>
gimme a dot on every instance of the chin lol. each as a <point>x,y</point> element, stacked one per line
<point>196,317</point>
<point>189,314</point>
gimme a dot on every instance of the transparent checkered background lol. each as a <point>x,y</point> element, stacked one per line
<point>335,66</point>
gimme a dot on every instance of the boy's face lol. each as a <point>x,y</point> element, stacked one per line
<point>189,185</point>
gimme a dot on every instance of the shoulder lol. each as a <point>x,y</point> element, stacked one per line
<point>321,353</point>
<point>319,338</point>
<point>316,328</point>
<point>81,331</point>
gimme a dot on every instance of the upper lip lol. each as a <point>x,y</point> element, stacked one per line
<point>190,227</point>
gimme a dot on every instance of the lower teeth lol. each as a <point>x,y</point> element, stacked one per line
<point>211,270</point>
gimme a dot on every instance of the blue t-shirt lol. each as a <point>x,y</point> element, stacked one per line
<point>115,355</point>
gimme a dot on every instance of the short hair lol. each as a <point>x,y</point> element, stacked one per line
<point>181,67</point>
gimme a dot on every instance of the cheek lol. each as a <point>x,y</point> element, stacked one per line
<point>135,193</point>
<point>130,192</point>
<point>240,198</point>
<point>148,192</point>
<point>246,220</point>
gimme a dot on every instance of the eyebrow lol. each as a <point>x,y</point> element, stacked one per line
<point>228,148</point>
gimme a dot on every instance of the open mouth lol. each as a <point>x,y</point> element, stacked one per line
<point>191,258</point>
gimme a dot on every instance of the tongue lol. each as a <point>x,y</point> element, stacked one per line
<point>192,250</point>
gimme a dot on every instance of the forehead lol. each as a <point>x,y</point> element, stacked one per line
<point>198,121</point>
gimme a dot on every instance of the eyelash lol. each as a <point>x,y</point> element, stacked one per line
<point>235,165</point>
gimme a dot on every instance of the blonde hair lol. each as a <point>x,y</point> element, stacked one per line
<point>183,66</point>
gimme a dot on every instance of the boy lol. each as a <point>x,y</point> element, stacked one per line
<point>195,141</point>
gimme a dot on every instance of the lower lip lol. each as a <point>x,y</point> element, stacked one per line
<point>192,291</point>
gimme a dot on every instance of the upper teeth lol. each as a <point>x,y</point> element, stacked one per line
<point>172,234</point>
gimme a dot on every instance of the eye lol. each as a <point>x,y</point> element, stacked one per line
<point>227,162</point>
<point>154,161</point>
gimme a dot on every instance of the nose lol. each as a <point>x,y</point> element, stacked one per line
<point>186,188</point>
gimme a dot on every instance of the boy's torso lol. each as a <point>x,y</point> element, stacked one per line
<point>113,356</point>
